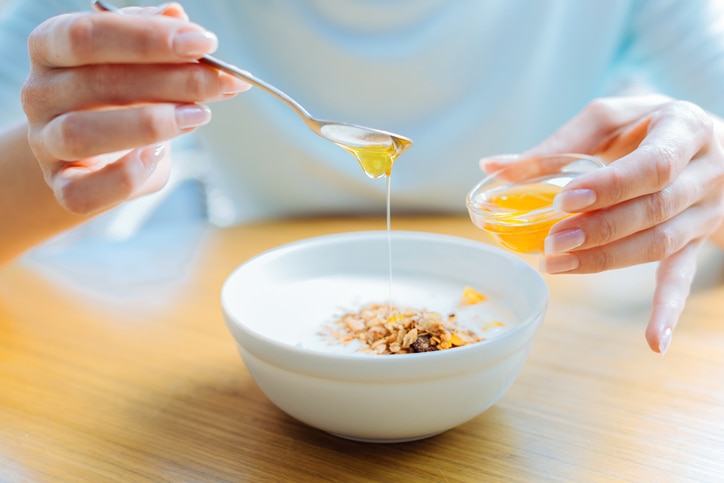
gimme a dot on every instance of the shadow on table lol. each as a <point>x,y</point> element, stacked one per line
<point>230,431</point>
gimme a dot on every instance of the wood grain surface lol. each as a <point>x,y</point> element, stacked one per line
<point>146,384</point>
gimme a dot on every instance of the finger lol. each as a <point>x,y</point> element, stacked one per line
<point>110,84</point>
<point>515,168</point>
<point>88,187</point>
<point>604,226</point>
<point>677,132</point>
<point>83,134</point>
<point>494,163</point>
<point>170,9</point>
<point>649,245</point>
<point>82,39</point>
<point>673,285</point>
<point>599,120</point>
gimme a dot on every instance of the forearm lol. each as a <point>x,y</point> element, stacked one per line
<point>29,212</point>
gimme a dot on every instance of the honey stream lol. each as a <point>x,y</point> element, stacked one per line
<point>376,161</point>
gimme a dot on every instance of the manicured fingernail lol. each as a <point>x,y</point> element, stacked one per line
<point>574,200</point>
<point>151,155</point>
<point>559,263</point>
<point>194,43</point>
<point>564,241</point>
<point>231,85</point>
<point>665,341</point>
<point>491,163</point>
<point>192,115</point>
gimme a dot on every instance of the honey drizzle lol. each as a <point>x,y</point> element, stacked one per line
<point>389,243</point>
<point>376,161</point>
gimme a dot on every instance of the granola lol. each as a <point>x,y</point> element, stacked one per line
<point>387,329</point>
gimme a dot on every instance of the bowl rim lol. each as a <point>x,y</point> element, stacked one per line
<point>431,361</point>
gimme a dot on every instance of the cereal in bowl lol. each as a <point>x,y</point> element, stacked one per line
<point>388,329</point>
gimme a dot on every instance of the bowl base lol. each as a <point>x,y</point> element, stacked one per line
<point>385,441</point>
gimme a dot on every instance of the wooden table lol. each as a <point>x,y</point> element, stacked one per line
<point>148,386</point>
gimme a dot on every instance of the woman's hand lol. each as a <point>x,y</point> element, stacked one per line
<point>106,93</point>
<point>659,199</point>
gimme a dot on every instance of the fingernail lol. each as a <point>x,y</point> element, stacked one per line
<point>151,155</point>
<point>559,263</point>
<point>231,85</point>
<point>194,43</point>
<point>574,200</point>
<point>495,162</point>
<point>192,115</point>
<point>564,241</point>
<point>665,341</point>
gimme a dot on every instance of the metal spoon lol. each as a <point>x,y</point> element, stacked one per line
<point>363,142</point>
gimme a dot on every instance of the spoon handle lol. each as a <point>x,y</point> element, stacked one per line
<point>231,69</point>
<point>255,81</point>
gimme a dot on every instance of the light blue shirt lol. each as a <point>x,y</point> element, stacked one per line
<point>463,79</point>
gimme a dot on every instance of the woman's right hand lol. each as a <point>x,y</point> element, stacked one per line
<point>107,92</point>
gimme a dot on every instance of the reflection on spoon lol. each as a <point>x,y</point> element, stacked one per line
<point>375,150</point>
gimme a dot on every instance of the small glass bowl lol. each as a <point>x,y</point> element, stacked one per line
<point>514,204</point>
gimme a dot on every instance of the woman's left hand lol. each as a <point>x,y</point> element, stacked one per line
<point>659,198</point>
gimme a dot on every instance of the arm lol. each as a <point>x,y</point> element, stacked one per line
<point>28,208</point>
<point>105,95</point>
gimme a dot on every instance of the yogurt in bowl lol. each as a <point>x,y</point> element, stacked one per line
<point>277,304</point>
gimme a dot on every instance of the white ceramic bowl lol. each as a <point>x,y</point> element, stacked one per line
<point>276,303</point>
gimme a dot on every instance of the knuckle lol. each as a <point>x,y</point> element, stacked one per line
<point>82,195</point>
<point>691,113</point>
<point>665,243</point>
<point>664,160</point>
<point>197,82</point>
<point>659,206</point>
<point>152,126</point>
<point>108,81</point>
<point>697,122</point>
<point>599,109</point>
<point>80,36</point>
<point>75,200</point>
<point>31,96</point>
<point>37,40</point>
<point>125,181</point>
<point>71,140</point>
<point>616,183</point>
<point>597,106</point>
<point>598,261</point>
<point>606,230</point>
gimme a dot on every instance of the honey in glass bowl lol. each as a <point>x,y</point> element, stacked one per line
<point>515,203</point>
